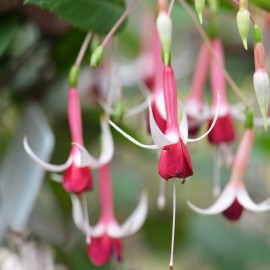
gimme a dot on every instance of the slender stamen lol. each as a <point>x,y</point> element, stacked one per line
<point>83,49</point>
<point>217,161</point>
<point>227,76</point>
<point>161,201</point>
<point>118,23</point>
<point>86,218</point>
<point>173,224</point>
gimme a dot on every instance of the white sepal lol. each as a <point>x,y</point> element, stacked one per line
<point>209,130</point>
<point>244,199</point>
<point>131,138</point>
<point>134,222</point>
<point>42,163</point>
<point>158,137</point>
<point>184,126</point>
<point>224,202</point>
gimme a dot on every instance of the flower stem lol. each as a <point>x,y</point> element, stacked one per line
<point>83,49</point>
<point>227,76</point>
<point>173,224</point>
<point>171,7</point>
<point>119,22</point>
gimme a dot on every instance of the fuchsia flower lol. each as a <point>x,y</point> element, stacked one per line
<point>107,234</point>
<point>235,197</point>
<point>77,176</point>
<point>223,131</point>
<point>194,103</point>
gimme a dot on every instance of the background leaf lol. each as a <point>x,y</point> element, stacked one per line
<point>91,15</point>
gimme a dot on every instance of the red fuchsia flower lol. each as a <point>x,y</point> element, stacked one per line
<point>107,234</point>
<point>234,197</point>
<point>77,176</point>
<point>194,103</point>
<point>223,131</point>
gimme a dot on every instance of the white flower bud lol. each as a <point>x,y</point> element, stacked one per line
<point>243,21</point>
<point>199,5</point>
<point>262,90</point>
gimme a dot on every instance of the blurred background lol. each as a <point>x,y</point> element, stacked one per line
<point>37,50</point>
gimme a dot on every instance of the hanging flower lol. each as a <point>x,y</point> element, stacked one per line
<point>235,197</point>
<point>77,176</point>
<point>107,234</point>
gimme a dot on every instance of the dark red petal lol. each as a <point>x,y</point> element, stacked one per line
<point>77,179</point>
<point>194,126</point>
<point>101,250</point>
<point>223,130</point>
<point>158,118</point>
<point>175,162</point>
<point>234,212</point>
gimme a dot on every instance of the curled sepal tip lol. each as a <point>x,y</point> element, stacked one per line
<point>44,164</point>
<point>97,56</point>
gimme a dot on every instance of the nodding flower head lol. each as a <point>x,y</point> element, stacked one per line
<point>77,174</point>
<point>106,236</point>
<point>235,198</point>
<point>194,103</point>
<point>223,131</point>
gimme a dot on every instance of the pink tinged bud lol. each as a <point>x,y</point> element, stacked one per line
<point>102,249</point>
<point>175,162</point>
<point>234,212</point>
<point>261,81</point>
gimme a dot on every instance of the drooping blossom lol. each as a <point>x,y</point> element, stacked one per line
<point>77,176</point>
<point>223,131</point>
<point>106,236</point>
<point>234,197</point>
<point>194,103</point>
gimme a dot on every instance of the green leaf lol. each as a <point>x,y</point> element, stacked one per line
<point>7,31</point>
<point>90,15</point>
<point>264,4</point>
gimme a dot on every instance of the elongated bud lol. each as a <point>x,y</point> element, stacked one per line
<point>243,21</point>
<point>199,5</point>
<point>164,27</point>
<point>261,81</point>
<point>119,110</point>
<point>97,56</point>
<point>73,76</point>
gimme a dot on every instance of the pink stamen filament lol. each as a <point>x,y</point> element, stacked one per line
<point>171,7</point>
<point>118,23</point>
<point>105,192</point>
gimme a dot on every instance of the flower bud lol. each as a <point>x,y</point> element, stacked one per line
<point>243,21</point>
<point>261,85</point>
<point>261,81</point>
<point>164,27</point>
<point>199,5</point>
<point>97,56</point>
